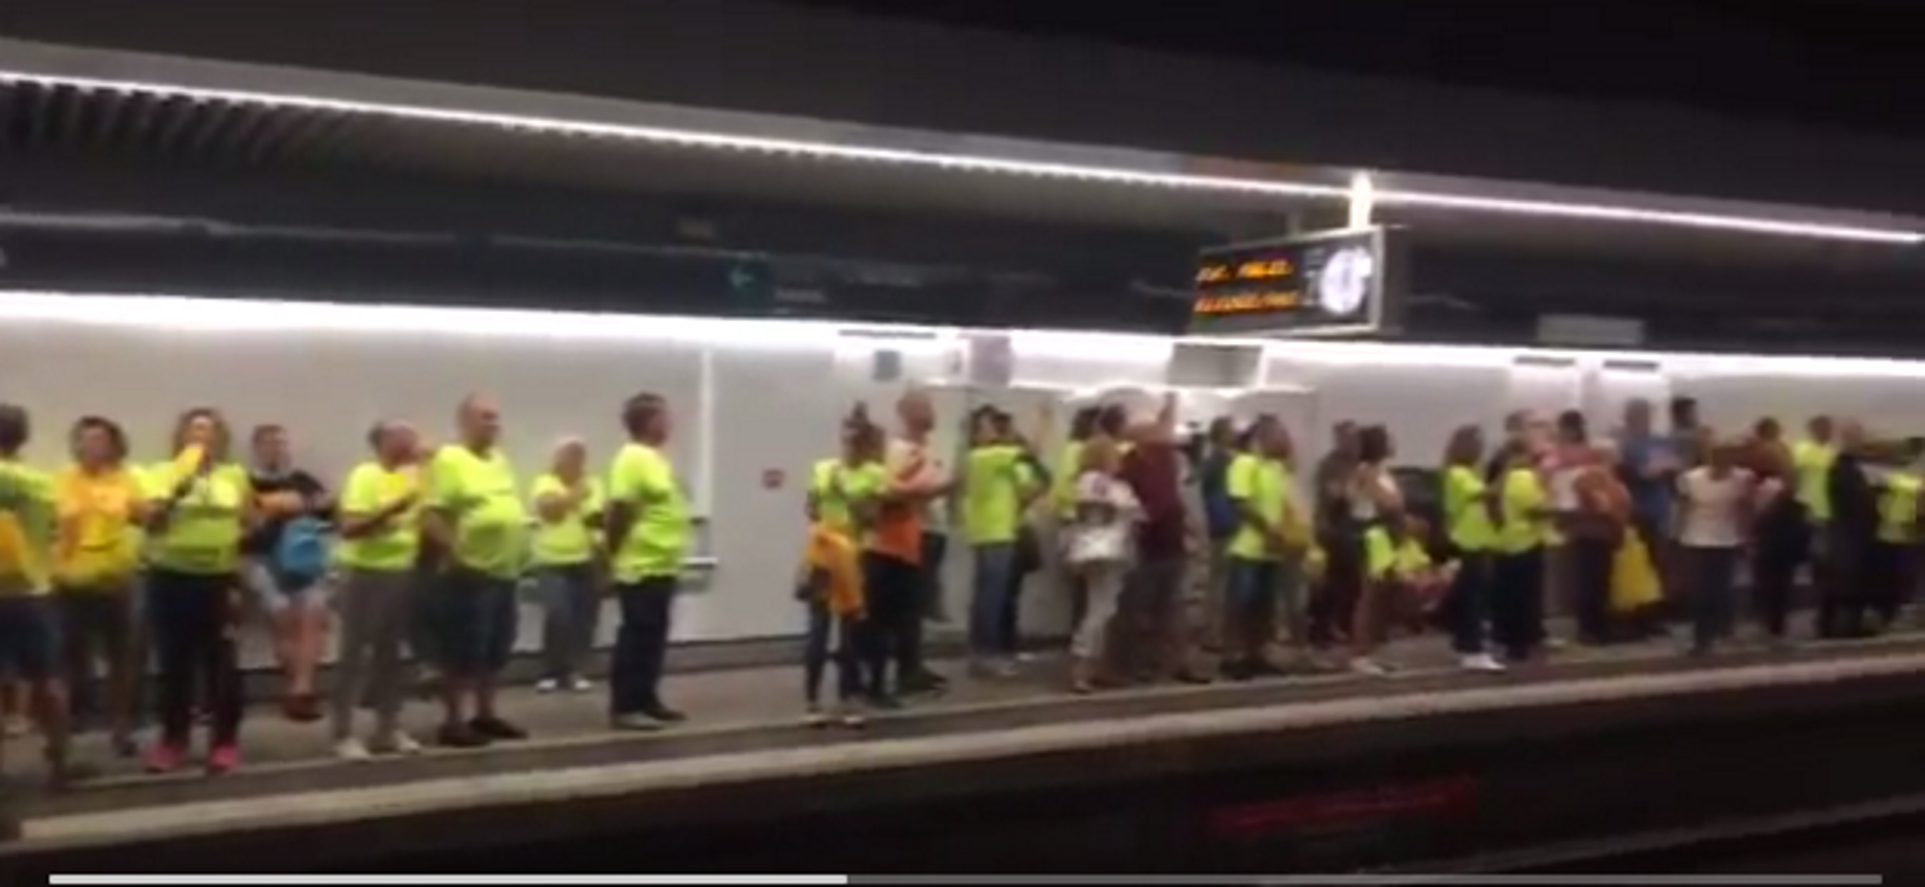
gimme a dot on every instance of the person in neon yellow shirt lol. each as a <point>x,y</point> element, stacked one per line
<point>1467,524</point>
<point>567,560</point>
<point>1266,551</point>
<point>475,514</point>
<point>29,632</point>
<point>1895,554</point>
<point>97,556</point>
<point>843,495</point>
<point>997,488</point>
<point>193,587</point>
<point>380,528</point>
<point>649,535</point>
<point>1523,514</point>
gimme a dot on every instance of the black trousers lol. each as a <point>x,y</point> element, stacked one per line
<point>1893,568</point>
<point>1840,568</point>
<point>641,644</point>
<point>1343,583</point>
<point>1592,560</point>
<point>1774,567</point>
<point>1517,602</point>
<point>192,619</point>
<point>891,631</point>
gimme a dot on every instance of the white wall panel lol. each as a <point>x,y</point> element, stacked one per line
<point>328,386</point>
<point>1419,403</point>
<point>775,410</point>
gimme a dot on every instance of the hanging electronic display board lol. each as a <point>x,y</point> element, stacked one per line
<point>1329,284</point>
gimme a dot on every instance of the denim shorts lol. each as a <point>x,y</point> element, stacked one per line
<point>474,619</point>
<point>276,591</point>
<point>29,638</point>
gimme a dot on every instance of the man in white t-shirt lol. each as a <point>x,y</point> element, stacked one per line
<point>1714,505</point>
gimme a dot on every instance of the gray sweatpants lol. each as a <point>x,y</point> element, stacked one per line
<point>376,608</point>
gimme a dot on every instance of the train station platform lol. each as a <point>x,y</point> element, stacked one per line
<point>971,778</point>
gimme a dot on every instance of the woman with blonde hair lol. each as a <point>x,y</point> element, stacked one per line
<point>196,530</point>
<point>1098,549</point>
<point>567,558</point>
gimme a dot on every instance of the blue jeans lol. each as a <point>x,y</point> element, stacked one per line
<point>572,610</point>
<point>641,644</point>
<point>989,597</point>
<point>831,637</point>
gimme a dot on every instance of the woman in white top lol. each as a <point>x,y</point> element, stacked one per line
<point>1374,498</point>
<point>1715,503</point>
<point>1098,548</point>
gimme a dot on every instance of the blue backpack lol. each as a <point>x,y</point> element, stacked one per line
<point>302,555</point>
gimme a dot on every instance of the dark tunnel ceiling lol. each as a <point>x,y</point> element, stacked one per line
<point>155,132</point>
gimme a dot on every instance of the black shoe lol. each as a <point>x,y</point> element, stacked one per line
<point>924,682</point>
<point>461,736</point>
<point>497,729</point>
<point>663,714</point>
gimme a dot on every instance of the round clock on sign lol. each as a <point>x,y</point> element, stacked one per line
<point>1343,284</point>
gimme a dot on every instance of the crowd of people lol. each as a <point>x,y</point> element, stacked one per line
<point>1181,553</point>
<point>108,568</point>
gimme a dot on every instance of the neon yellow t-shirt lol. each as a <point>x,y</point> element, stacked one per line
<point>27,521</point>
<point>1465,514</point>
<point>1262,484</point>
<point>93,548</point>
<point>571,540</point>
<point>480,496</point>
<point>1812,461</point>
<point>1068,467</point>
<point>1386,558</point>
<point>1521,496</point>
<point>660,533</point>
<point>993,494</point>
<point>202,535</point>
<point>370,489</point>
<point>1898,508</point>
<point>839,486</point>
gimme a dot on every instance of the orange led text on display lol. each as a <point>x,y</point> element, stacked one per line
<point>1260,269</point>
<point>1248,303</point>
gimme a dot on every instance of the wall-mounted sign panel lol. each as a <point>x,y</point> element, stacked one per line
<point>1333,283</point>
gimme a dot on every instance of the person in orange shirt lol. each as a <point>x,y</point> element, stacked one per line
<point>892,556</point>
<point>99,504</point>
<point>1595,528</point>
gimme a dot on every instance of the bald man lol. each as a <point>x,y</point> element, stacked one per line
<point>475,514</point>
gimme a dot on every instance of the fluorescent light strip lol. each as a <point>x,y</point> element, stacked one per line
<point>977,163</point>
<point>186,313</point>
<point>1600,213</point>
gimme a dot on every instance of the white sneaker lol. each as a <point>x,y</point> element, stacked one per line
<point>547,685</point>
<point>815,718</point>
<point>1482,663</point>
<point>398,743</point>
<point>1365,665</point>
<point>581,685</point>
<point>352,749</point>
<point>853,718</point>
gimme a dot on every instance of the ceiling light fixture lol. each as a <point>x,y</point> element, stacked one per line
<point>988,164</point>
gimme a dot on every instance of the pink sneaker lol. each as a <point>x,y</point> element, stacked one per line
<point>223,759</point>
<point>164,758</point>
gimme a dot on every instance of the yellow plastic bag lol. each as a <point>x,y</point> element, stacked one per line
<point>1634,578</point>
